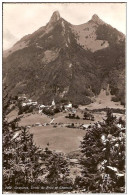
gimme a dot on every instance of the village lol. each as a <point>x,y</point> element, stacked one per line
<point>53,123</point>
<point>73,116</point>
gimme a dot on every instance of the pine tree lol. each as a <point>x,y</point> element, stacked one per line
<point>57,172</point>
<point>103,160</point>
<point>27,159</point>
<point>91,148</point>
<point>8,152</point>
<point>110,119</point>
<point>22,167</point>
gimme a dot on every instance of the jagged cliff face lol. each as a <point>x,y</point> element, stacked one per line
<point>65,61</point>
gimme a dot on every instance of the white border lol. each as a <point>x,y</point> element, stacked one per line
<point>127,73</point>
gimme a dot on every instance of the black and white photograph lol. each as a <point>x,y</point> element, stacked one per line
<point>63,97</point>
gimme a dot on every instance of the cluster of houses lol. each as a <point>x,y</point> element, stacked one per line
<point>26,101</point>
<point>39,107</point>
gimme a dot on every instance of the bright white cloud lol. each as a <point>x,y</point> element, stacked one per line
<point>20,19</point>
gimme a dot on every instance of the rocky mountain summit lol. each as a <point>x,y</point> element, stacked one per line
<point>67,62</point>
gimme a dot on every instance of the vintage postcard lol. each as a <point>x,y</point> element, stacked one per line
<point>64,123</point>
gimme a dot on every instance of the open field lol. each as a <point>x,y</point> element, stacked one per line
<point>30,119</point>
<point>60,118</point>
<point>103,101</point>
<point>61,139</point>
<point>12,115</point>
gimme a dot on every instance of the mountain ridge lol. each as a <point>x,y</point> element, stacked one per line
<point>65,61</point>
<point>95,18</point>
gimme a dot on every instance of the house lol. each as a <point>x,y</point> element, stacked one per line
<point>29,100</point>
<point>68,106</point>
<point>24,104</point>
<point>22,98</point>
<point>85,126</point>
<point>42,106</point>
<point>29,103</point>
<point>53,103</point>
<point>34,103</point>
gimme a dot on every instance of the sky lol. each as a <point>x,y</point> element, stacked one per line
<point>20,19</point>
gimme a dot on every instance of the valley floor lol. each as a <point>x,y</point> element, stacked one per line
<point>53,132</point>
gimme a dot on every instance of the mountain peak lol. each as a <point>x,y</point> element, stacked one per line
<point>55,16</point>
<point>96,19</point>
